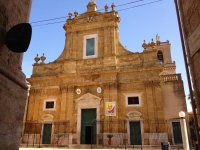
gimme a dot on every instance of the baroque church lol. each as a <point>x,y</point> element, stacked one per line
<point>97,89</point>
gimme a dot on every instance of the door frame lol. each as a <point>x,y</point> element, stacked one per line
<point>79,122</point>
<point>135,116</point>
<point>47,119</point>
<point>141,129</point>
<point>175,120</point>
<point>87,101</point>
<point>52,131</point>
<point>81,119</point>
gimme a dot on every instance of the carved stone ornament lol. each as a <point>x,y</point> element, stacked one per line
<point>145,45</point>
<point>134,115</point>
<point>106,8</point>
<point>70,15</point>
<point>42,59</point>
<point>99,90</point>
<point>78,91</point>
<point>76,13</point>
<point>113,7</point>
<point>36,59</point>
<point>152,44</point>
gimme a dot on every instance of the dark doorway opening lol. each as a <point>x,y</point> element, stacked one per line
<point>88,133</point>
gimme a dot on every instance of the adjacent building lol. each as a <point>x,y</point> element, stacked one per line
<point>190,21</point>
<point>97,88</point>
<point>13,88</point>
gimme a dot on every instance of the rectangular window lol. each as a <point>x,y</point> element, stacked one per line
<point>133,100</point>
<point>49,104</point>
<point>90,47</point>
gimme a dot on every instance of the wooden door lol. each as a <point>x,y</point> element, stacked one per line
<point>87,129</point>
<point>135,133</point>
<point>46,137</point>
<point>177,132</point>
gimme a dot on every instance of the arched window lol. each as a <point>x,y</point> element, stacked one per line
<point>160,57</point>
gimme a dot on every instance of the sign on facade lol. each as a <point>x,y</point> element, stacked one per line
<point>194,41</point>
<point>110,108</point>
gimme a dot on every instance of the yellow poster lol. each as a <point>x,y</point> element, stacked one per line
<point>110,108</point>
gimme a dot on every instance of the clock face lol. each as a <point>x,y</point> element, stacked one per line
<point>99,90</point>
<point>78,91</point>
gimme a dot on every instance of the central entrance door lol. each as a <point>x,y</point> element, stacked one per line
<point>87,130</point>
<point>46,138</point>
<point>135,133</point>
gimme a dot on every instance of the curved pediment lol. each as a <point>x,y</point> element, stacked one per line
<point>89,17</point>
<point>88,97</point>
<point>134,115</point>
<point>48,117</point>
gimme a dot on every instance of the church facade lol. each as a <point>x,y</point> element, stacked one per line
<point>97,88</point>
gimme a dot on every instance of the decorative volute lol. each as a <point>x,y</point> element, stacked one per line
<point>91,6</point>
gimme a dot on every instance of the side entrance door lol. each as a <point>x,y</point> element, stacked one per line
<point>177,132</point>
<point>135,133</point>
<point>46,138</point>
<point>87,130</point>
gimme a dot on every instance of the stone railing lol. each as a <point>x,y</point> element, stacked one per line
<point>171,77</point>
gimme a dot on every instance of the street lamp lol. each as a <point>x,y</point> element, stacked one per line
<point>184,130</point>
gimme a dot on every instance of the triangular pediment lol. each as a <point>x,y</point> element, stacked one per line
<point>88,97</point>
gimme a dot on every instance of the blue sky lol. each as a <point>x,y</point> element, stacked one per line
<point>137,24</point>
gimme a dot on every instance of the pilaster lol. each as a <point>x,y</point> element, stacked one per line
<point>70,108</point>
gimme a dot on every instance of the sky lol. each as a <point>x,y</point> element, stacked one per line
<point>140,20</point>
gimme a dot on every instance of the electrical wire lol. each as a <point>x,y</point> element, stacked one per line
<point>124,4</point>
<point>140,5</point>
<point>98,10</point>
<point>82,13</point>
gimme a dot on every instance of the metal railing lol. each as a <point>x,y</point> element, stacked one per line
<point>33,134</point>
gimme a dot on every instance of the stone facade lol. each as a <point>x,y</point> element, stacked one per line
<point>190,17</point>
<point>13,88</point>
<point>139,86</point>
